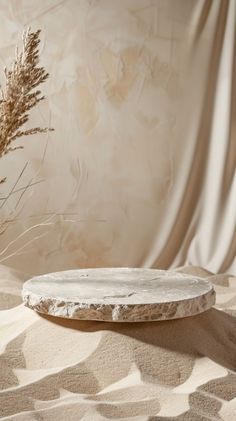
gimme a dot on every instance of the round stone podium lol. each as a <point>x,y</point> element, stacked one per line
<point>118,294</point>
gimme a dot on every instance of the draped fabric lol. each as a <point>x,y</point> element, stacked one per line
<point>140,170</point>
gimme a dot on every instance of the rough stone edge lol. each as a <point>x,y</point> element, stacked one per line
<point>119,312</point>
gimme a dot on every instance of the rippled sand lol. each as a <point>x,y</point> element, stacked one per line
<point>55,369</point>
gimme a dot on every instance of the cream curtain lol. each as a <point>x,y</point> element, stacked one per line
<point>140,170</point>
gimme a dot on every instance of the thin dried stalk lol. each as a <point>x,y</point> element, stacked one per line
<point>45,223</point>
<point>20,95</point>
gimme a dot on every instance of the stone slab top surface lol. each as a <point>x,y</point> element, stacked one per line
<point>118,294</point>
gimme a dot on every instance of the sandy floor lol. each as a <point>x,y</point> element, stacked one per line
<point>54,369</point>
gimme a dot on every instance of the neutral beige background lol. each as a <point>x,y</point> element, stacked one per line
<point>140,170</point>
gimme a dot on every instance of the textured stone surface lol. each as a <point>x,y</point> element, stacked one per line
<point>118,294</point>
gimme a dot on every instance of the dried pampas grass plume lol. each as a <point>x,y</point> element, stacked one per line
<point>17,97</point>
<point>20,94</point>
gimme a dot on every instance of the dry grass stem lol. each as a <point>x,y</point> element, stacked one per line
<point>46,223</point>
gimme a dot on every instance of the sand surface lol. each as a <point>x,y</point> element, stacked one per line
<point>55,369</point>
